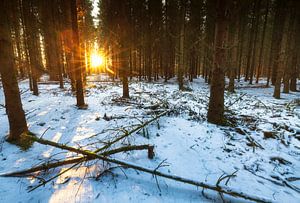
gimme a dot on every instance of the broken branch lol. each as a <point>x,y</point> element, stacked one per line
<point>126,134</point>
<point>47,166</point>
<point>93,155</point>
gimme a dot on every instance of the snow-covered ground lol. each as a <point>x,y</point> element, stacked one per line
<point>192,148</point>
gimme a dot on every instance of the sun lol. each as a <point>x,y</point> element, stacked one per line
<point>97,60</point>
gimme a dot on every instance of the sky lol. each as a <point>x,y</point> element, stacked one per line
<point>95,10</point>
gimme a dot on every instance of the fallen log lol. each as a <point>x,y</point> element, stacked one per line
<point>80,159</point>
<point>90,154</point>
<point>47,166</point>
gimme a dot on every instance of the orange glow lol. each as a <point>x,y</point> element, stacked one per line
<point>110,70</point>
<point>97,60</point>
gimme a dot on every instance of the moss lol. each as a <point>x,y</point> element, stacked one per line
<point>24,142</point>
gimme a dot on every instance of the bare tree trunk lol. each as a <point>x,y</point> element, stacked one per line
<point>251,43</point>
<point>232,42</point>
<point>125,47</point>
<point>181,48</point>
<point>31,32</point>
<point>216,101</point>
<point>262,42</point>
<point>13,104</point>
<point>280,68</point>
<point>289,45</point>
<point>257,10</point>
<point>244,7</point>
<point>124,72</point>
<point>210,33</point>
<point>76,57</point>
<point>279,59</point>
<point>296,53</point>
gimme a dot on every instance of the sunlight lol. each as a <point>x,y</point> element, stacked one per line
<point>97,60</point>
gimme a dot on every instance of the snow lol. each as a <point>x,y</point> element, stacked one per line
<point>192,147</point>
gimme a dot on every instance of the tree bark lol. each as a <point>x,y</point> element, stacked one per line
<point>262,42</point>
<point>256,23</point>
<point>76,57</point>
<point>232,43</point>
<point>31,32</point>
<point>289,47</point>
<point>279,60</point>
<point>216,101</point>
<point>209,38</point>
<point>296,53</point>
<point>181,47</point>
<point>251,42</point>
<point>14,110</point>
<point>277,33</point>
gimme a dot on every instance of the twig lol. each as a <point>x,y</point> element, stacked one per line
<point>81,182</point>
<point>267,107</point>
<point>47,181</point>
<point>126,134</point>
<point>105,171</point>
<point>160,165</point>
<point>279,181</point>
<point>229,105</point>
<point>228,177</point>
<point>45,132</point>
<point>253,142</point>
<point>22,92</point>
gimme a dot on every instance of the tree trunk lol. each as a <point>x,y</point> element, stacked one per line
<point>262,42</point>
<point>124,71</point>
<point>251,42</point>
<point>181,48</point>
<point>257,13</point>
<point>241,35</point>
<point>31,32</point>
<point>279,74</point>
<point>209,38</point>
<point>76,57</point>
<point>279,59</point>
<point>124,46</point>
<point>232,42</point>
<point>289,47</point>
<point>216,101</point>
<point>50,30</point>
<point>278,26</point>
<point>14,110</point>
<point>296,53</point>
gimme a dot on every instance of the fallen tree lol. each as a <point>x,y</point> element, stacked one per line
<point>76,160</point>
<point>92,155</point>
<point>101,154</point>
<point>47,166</point>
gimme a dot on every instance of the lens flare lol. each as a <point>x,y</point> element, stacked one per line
<point>97,60</point>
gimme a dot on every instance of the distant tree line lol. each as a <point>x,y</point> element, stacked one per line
<point>177,38</point>
<point>248,39</point>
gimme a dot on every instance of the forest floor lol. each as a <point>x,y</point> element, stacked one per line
<point>261,143</point>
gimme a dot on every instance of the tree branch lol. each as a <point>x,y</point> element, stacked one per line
<point>93,155</point>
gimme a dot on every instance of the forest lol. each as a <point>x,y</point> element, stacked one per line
<point>150,101</point>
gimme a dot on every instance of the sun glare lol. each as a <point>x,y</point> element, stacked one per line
<point>97,60</point>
